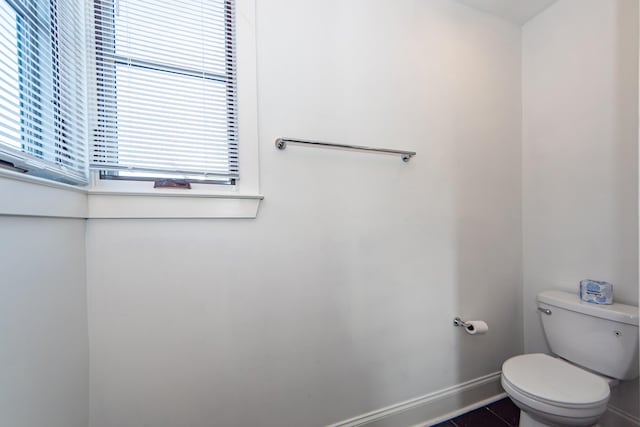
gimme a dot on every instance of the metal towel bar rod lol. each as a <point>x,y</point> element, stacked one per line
<point>281,144</point>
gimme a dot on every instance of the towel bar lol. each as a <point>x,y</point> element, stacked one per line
<point>281,144</point>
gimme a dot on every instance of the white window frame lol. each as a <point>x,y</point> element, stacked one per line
<point>138,199</point>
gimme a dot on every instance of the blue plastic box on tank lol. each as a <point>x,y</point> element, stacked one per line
<point>596,291</point>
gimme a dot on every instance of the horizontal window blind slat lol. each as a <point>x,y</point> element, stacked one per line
<point>187,152</point>
<point>159,172</point>
<point>215,165</point>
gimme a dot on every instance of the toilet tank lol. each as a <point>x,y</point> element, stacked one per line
<point>602,338</point>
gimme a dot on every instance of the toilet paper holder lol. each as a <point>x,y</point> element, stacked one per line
<point>459,322</point>
<point>472,327</point>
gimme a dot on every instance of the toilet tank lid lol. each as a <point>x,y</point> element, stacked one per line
<point>571,301</point>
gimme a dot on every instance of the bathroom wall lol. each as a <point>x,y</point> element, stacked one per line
<point>580,170</point>
<point>338,299</point>
<point>44,349</point>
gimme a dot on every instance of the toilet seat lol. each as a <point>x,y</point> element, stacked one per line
<point>555,381</point>
<point>554,387</point>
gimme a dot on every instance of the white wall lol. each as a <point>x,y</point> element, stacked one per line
<point>44,349</point>
<point>338,299</point>
<point>580,171</point>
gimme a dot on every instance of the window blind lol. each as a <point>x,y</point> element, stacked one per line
<point>43,127</point>
<point>165,89</point>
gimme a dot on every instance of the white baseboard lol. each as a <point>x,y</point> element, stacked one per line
<point>433,407</point>
<point>615,417</point>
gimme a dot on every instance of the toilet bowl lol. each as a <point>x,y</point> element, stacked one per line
<point>573,388</point>
<point>553,392</point>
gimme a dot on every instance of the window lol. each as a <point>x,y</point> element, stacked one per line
<point>42,88</point>
<point>135,90</point>
<point>164,90</point>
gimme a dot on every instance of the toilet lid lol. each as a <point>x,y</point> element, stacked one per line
<point>554,380</point>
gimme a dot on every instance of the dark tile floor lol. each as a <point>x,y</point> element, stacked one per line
<point>502,413</point>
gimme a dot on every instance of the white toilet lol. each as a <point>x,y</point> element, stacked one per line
<point>596,345</point>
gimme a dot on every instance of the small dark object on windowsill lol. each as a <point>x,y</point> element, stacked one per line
<point>11,166</point>
<point>172,183</point>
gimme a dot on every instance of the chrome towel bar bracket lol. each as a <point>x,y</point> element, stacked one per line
<point>281,144</point>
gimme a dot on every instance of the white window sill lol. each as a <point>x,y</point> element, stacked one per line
<point>24,195</point>
<point>112,204</point>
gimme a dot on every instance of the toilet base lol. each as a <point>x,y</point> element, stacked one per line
<point>527,421</point>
